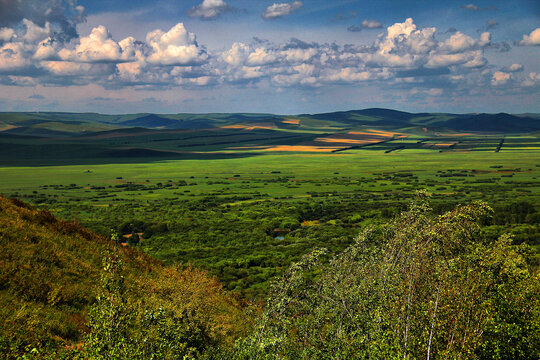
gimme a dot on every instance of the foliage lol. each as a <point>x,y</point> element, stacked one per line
<point>422,286</point>
<point>51,306</point>
<point>122,329</point>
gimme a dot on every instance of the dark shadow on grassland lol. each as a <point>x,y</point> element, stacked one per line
<point>70,154</point>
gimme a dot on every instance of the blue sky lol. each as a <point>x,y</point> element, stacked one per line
<point>281,57</point>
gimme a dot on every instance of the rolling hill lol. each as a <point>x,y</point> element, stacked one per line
<point>60,124</point>
<point>30,139</point>
<point>501,123</point>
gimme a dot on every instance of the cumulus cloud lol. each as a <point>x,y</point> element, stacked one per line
<point>63,15</point>
<point>96,47</point>
<point>175,47</point>
<point>403,56</point>
<point>515,68</point>
<point>17,53</point>
<point>404,38</point>
<point>500,78</point>
<point>403,48</point>
<point>209,9</point>
<point>460,42</point>
<point>346,75</point>
<point>6,34</point>
<point>278,10</point>
<point>12,57</point>
<point>532,39</point>
<point>532,80</point>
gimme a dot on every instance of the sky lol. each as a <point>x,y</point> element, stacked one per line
<point>290,57</point>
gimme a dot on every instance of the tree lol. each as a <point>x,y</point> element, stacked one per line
<point>422,286</point>
<point>110,318</point>
<point>125,325</point>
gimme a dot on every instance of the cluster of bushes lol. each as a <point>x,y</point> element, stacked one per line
<point>420,286</point>
<point>60,297</point>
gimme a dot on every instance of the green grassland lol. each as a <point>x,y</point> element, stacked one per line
<point>246,219</point>
<point>243,195</point>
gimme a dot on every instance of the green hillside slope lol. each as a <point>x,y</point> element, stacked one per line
<point>51,272</point>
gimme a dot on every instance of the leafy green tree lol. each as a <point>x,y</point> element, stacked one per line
<point>422,286</point>
<point>111,317</point>
<point>122,327</point>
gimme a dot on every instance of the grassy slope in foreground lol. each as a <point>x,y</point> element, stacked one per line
<point>49,277</point>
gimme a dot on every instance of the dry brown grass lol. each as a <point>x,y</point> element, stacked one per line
<point>291,121</point>
<point>302,148</point>
<point>348,141</point>
<point>377,133</point>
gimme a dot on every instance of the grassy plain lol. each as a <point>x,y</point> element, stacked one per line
<point>243,195</point>
<point>245,219</point>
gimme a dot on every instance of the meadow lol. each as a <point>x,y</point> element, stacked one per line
<point>296,235</point>
<point>246,219</point>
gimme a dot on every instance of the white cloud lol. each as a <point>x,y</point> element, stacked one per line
<point>532,80</point>
<point>477,60</point>
<point>460,42</point>
<point>405,38</point>
<point>500,78</point>
<point>6,34</point>
<point>515,68</point>
<point>13,56</point>
<point>346,75</point>
<point>445,60</point>
<point>237,55</point>
<point>175,47</point>
<point>66,68</point>
<point>405,55</point>
<point>132,49</point>
<point>62,16</point>
<point>470,7</point>
<point>302,75</point>
<point>403,47</point>
<point>532,39</point>
<point>34,32</point>
<point>46,50</point>
<point>261,56</point>
<point>297,54</point>
<point>277,10</point>
<point>371,24</point>
<point>96,47</point>
<point>435,92</point>
<point>209,9</point>
<point>129,72</point>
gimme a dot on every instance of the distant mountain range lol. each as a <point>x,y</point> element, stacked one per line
<point>37,138</point>
<point>53,124</point>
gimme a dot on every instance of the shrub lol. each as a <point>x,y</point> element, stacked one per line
<point>422,286</point>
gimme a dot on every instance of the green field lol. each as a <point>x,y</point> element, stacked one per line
<point>245,219</point>
<point>244,195</point>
